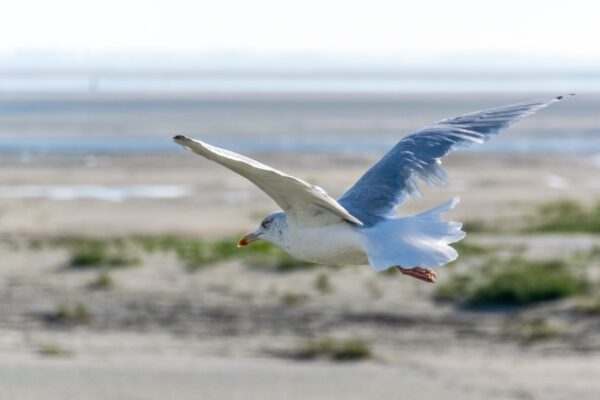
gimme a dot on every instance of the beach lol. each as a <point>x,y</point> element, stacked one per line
<point>236,328</point>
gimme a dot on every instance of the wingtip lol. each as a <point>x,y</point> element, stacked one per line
<point>565,95</point>
<point>177,138</point>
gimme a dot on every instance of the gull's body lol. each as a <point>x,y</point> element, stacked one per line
<point>361,227</point>
<point>340,243</point>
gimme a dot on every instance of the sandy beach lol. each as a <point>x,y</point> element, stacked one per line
<point>230,330</point>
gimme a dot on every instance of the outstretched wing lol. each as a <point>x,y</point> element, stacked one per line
<point>305,203</point>
<point>386,184</point>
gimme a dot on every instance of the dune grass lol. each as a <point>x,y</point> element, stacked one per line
<point>89,253</point>
<point>53,350</point>
<point>102,282</point>
<point>515,282</point>
<point>467,248</point>
<point>75,314</point>
<point>323,284</point>
<point>337,350</point>
<point>566,216</point>
<point>194,253</point>
<point>292,299</point>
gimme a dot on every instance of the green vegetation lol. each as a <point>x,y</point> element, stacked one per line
<point>291,299</point>
<point>322,283</point>
<point>534,330</point>
<point>87,253</point>
<point>53,350</point>
<point>194,253</point>
<point>516,281</point>
<point>102,282</point>
<point>458,288</point>
<point>475,226</point>
<point>466,248</point>
<point>338,350</point>
<point>566,216</point>
<point>77,314</point>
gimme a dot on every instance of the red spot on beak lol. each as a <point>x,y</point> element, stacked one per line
<point>246,240</point>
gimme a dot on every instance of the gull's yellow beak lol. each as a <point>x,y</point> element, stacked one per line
<point>249,238</point>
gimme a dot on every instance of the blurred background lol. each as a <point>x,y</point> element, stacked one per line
<point>119,275</point>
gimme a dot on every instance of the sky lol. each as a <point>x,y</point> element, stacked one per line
<point>425,29</point>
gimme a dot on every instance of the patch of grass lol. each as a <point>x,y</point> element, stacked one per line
<point>534,330</point>
<point>35,244</point>
<point>291,299</point>
<point>566,216</point>
<point>89,253</point>
<point>466,248</point>
<point>193,252</point>
<point>337,350</point>
<point>77,314</point>
<point>515,282</point>
<point>53,350</point>
<point>522,282</point>
<point>322,283</point>
<point>457,288</point>
<point>102,282</point>
<point>475,226</point>
<point>196,254</point>
<point>158,243</point>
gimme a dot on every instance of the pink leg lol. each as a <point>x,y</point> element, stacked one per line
<point>424,274</point>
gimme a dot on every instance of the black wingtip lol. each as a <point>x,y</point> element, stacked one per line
<point>562,97</point>
<point>179,137</point>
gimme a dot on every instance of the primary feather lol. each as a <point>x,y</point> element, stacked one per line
<point>383,187</point>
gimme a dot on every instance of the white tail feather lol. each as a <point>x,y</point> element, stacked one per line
<point>419,240</point>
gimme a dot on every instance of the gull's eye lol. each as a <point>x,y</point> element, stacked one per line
<point>265,224</point>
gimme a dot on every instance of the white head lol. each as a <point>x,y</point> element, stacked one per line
<point>272,229</point>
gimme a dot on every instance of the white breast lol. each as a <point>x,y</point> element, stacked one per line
<point>334,244</point>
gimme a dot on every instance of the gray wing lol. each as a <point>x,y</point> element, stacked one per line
<point>386,184</point>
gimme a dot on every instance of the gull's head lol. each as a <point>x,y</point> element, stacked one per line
<point>271,229</point>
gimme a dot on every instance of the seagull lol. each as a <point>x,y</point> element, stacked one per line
<point>361,227</point>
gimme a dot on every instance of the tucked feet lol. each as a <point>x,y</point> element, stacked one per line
<point>424,274</point>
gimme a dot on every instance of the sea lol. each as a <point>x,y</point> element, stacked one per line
<point>74,113</point>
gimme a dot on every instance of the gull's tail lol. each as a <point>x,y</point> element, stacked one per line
<point>416,241</point>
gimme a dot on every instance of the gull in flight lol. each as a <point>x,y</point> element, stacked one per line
<point>361,226</point>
